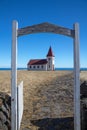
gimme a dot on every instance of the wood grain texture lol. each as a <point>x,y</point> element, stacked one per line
<point>46,27</point>
<point>14,77</point>
<point>76,79</point>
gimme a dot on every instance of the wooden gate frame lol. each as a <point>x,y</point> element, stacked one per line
<point>50,28</point>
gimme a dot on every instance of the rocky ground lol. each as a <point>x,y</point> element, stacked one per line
<point>48,98</point>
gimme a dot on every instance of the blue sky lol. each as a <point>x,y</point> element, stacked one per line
<point>29,12</point>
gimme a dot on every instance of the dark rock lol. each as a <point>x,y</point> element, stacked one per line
<point>5,111</point>
<point>83,89</point>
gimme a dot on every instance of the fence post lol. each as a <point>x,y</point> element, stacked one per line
<point>76,79</point>
<point>14,77</point>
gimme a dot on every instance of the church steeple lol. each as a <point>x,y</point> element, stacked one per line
<point>50,52</point>
<point>50,59</point>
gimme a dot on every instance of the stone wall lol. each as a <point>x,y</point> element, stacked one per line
<point>5,111</point>
<point>84,106</point>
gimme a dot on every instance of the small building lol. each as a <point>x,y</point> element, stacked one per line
<point>42,64</point>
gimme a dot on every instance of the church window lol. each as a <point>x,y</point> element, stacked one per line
<point>33,66</point>
<point>38,66</point>
<point>30,66</point>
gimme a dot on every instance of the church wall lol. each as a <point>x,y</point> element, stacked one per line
<point>37,67</point>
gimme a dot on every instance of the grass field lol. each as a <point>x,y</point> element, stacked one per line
<point>47,95</point>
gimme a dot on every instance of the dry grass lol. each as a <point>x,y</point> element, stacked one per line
<point>46,94</point>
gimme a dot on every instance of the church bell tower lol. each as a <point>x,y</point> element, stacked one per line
<point>50,60</point>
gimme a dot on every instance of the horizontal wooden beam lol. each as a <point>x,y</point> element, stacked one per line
<point>46,28</point>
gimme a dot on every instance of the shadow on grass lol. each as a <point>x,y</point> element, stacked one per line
<point>66,123</point>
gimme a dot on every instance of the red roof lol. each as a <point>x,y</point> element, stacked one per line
<point>50,53</point>
<point>37,62</point>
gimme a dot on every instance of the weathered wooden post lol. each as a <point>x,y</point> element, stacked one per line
<point>16,91</point>
<point>14,77</point>
<point>76,78</point>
